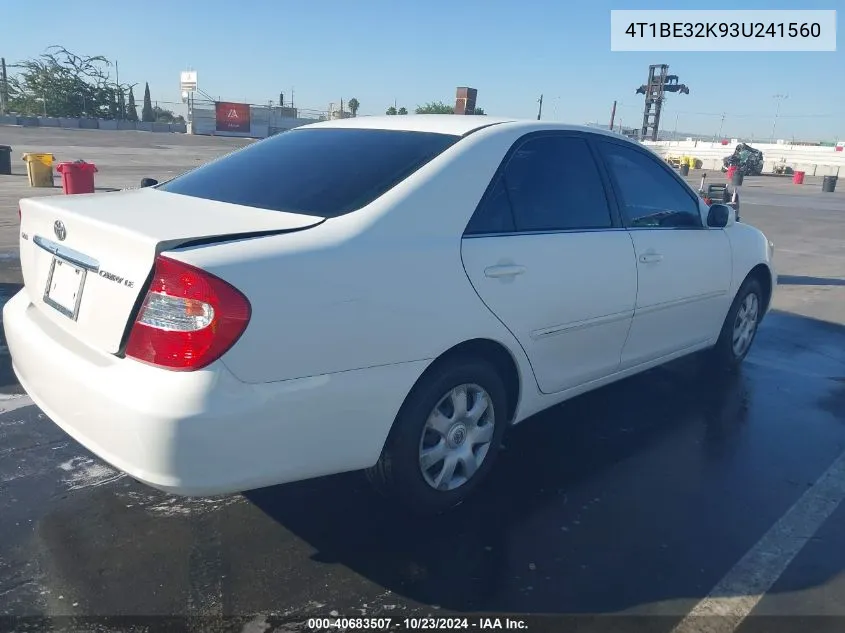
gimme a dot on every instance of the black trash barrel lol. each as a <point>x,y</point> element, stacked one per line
<point>736,179</point>
<point>829,184</point>
<point>5,160</point>
<point>684,169</point>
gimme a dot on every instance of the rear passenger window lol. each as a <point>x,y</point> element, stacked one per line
<point>649,196</point>
<point>495,216</point>
<point>551,183</point>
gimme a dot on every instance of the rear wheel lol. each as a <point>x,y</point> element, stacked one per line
<point>446,437</point>
<point>740,326</point>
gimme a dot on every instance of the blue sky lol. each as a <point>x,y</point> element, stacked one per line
<point>415,52</point>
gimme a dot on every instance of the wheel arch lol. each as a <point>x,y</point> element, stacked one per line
<point>763,274</point>
<point>490,351</point>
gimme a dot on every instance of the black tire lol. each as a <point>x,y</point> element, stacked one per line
<point>723,356</point>
<point>398,475</point>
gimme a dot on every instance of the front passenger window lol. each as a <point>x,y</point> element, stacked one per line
<point>649,197</point>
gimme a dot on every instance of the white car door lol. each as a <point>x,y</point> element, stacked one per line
<point>550,259</point>
<point>684,268</point>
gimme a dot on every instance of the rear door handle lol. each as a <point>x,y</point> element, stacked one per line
<point>504,271</point>
<point>651,258</point>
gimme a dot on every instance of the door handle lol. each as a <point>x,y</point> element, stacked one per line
<point>504,271</point>
<point>651,258</point>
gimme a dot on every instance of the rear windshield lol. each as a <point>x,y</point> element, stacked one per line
<point>324,172</point>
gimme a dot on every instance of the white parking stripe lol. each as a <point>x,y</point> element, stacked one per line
<point>11,402</point>
<point>733,598</point>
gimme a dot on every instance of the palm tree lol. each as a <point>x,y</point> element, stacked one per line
<point>353,106</point>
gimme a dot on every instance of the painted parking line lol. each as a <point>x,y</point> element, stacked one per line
<point>11,401</point>
<point>739,591</point>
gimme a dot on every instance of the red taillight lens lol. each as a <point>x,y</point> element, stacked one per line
<point>189,318</point>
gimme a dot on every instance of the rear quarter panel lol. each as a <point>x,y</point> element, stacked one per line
<point>379,286</point>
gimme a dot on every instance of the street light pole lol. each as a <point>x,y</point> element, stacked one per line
<point>779,98</point>
<point>4,86</point>
<point>540,111</point>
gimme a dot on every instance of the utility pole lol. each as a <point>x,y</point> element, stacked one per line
<point>612,115</point>
<point>721,123</point>
<point>117,85</point>
<point>4,86</point>
<point>540,111</point>
<point>675,131</point>
<point>779,98</point>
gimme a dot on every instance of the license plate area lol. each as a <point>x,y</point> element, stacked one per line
<point>64,287</point>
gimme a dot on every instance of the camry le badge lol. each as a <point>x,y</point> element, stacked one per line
<point>60,230</point>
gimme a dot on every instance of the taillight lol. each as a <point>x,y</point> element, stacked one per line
<point>189,318</point>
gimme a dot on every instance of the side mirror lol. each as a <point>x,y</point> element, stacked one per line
<point>719,216</point>
<point>148,182</point>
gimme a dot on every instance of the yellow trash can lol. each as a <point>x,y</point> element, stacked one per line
<point>39,168</point>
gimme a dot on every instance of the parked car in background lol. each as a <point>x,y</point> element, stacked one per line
<point>387,294</point>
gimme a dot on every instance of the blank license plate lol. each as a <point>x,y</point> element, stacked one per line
<point>64,287</point>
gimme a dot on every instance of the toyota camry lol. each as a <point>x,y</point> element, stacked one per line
<point>384,294</point>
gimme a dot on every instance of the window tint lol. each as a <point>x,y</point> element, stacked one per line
<point>649,197</point>
<point>324,172</point>
<point>550,183</point>
<point>495,216</point>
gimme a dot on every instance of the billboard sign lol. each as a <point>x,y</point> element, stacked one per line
<point>188,81</point>
<point>232,117</point>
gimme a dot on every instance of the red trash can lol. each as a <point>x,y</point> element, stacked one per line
<point>731,172</point>
<point>798,178</point>
<point>77,177</point>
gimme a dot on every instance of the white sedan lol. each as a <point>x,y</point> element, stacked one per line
<point>386,294</point>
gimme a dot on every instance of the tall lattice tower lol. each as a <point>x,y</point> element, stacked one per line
<point>659,83</point>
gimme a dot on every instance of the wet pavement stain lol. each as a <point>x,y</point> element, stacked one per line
<point>637,497</point>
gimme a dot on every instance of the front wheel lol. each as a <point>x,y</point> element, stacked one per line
<point>740,327</point>
<point>445,438</point>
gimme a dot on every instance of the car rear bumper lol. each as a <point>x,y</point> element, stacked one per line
<point>203,432</point>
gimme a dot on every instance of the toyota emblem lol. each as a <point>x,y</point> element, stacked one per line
<point>60,230</point>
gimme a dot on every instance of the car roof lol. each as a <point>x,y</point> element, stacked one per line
<point>441,123</point>
<point>450,124</point>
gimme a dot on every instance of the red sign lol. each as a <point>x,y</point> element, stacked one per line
<point>232,117</point>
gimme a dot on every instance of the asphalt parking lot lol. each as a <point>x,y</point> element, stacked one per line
<point>668,494</point>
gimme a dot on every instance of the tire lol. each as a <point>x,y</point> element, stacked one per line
<point>725,355</point>
<point>399,473</point>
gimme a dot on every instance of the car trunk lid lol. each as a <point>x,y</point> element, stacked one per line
<point>86,259</point>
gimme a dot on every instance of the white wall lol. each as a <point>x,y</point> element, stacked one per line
<point>815,161</point>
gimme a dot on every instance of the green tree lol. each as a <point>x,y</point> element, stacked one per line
<point>60,83</point>
<point>435,107</point>
<point>163,115</point>
<point>353,106</point>
<point>147,114</point>
<point>131,108</point>
<point>391,111</point>
<point>479,112</point>
<point>403,110</point>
